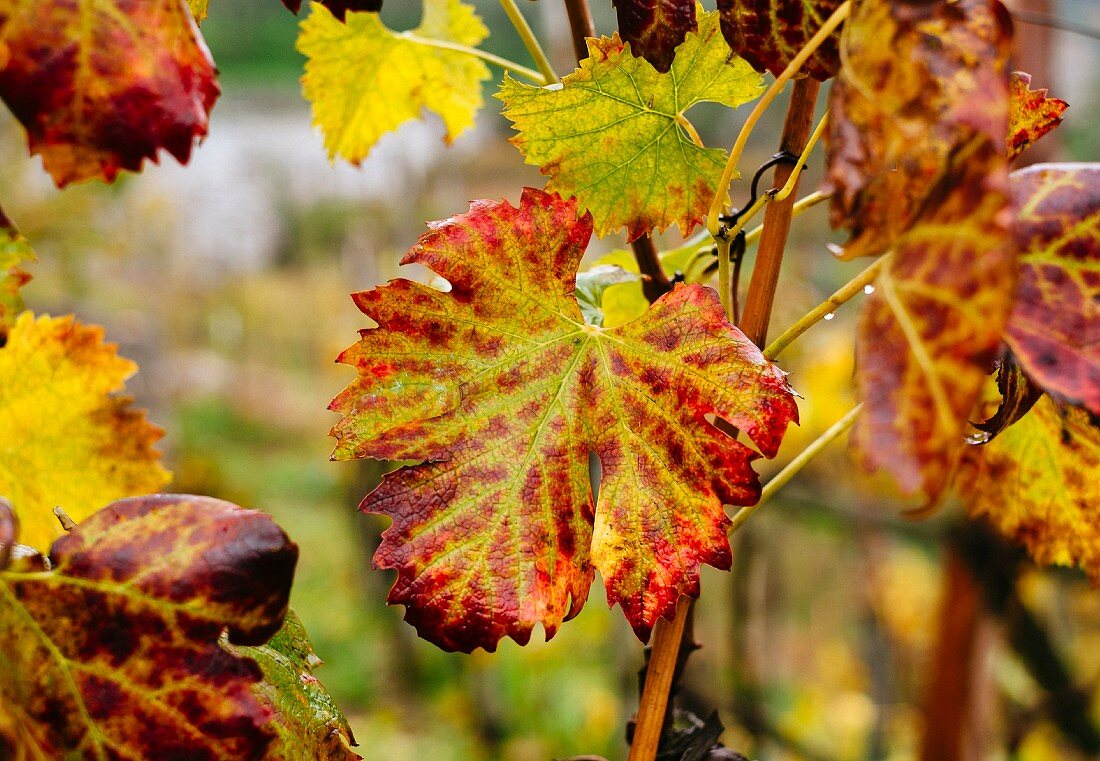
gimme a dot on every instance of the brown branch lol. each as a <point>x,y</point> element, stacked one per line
<point>663,659</point>
<point>777,216</point>
<point>580,24</point>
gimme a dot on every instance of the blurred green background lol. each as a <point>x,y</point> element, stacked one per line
<point>227,281</point>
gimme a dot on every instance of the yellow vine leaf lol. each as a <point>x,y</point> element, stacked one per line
<point>66,439</point>
<point>14,252</point>
<point>1037,483</point>
<point>365,80</point>
<point>199,9</point>
<point>615,135</point>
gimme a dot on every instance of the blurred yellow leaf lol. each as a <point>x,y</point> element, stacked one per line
<point>198,9</point>
<point>14,251</point>
<point>65,438</point>
<point>365,80</point>
<point>1037,483</point>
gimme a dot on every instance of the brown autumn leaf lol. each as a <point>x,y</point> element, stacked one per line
<point>922,80</point>
<point>1031,114</point>
<point>769,33</point>
<point>928,336</point>
<point>1018,395</point>
<point>1054,330</point>
<point>1037,483</point>
<point>114,653</point>
<point>102,85</point>
<point>654,28</point>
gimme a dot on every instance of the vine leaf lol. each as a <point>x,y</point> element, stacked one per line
<point>102,85</point>
<point>365,80</point>
<point>592,285</point>
<point>928,336</point>
<point>114,653</point>
<point>770,33</point>
<point>66,438</point>
<point>922,81</point>
<point>199,9</point>
<point>502,390</point>
<point>655,28</point>
<point>1054,330</point>
<point>1031,114</point>
<point>1037,483</point>
<point>339,8</point>
<point>14,252</point>
<point>614,135</point>
<point>310,725</point>
<point>624,300</point>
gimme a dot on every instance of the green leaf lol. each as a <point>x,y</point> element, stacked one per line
<point>14,252</point>
<point>593,283</point>
<point>308,724</point>
<point>114,653</point>
<point>614,134</point>
<point>502,390</point>
<point>365,80</point>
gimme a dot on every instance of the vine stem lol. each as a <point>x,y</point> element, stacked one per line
<point>530,41</point>
<point>783,477</point>
<point>842,295</point>
<point>581,26</point>
<point>777,86</point>
<point>667,634</point>
<point>496,60</point>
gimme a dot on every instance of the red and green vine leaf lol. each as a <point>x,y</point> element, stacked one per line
<point>770,33</point>
<point>66,437</point>
<point>102,85</point>
<point>114,653</point>
<point>1031,114</point>
<point>339,8</point>
<point>1036,482</point>
<point>928,336</point>
<point>1055,325</point>
<point>614,135</point>
<point>922,81</point>
<point>503,390</point>
<point>309,726</point>
<point>14,252</point>
<point>365,80</point>
<point>655,28</point>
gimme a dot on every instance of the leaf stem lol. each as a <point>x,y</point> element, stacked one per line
<point>722,194</point>
<point>523,29</point>
<point>783,477</point>
<point>496,60</point>
<point>825,308</point>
